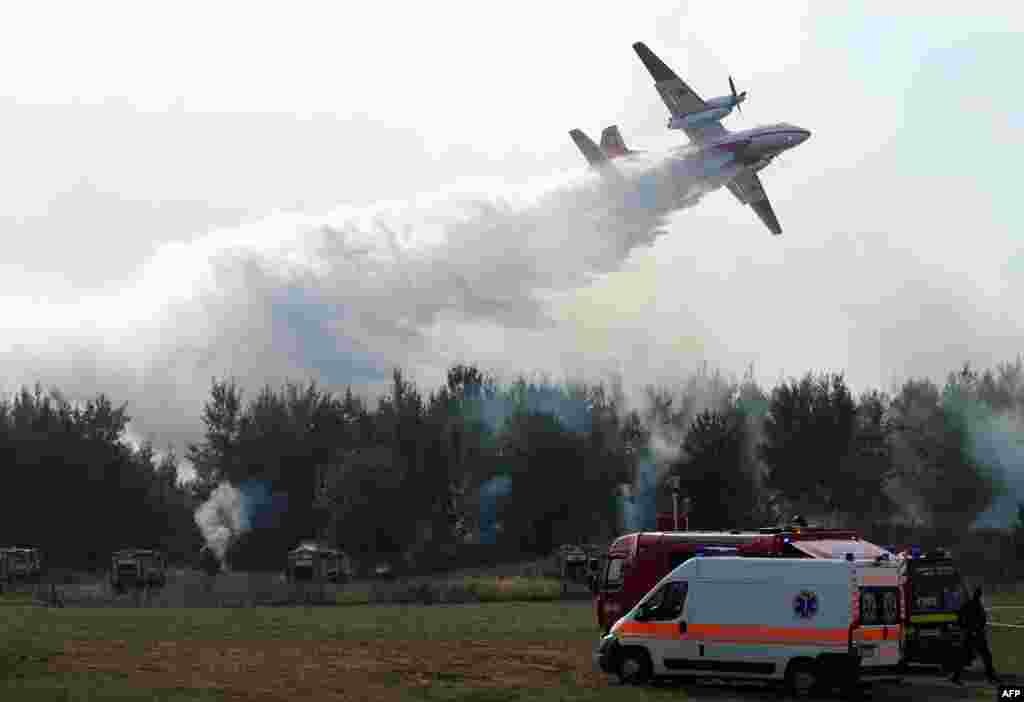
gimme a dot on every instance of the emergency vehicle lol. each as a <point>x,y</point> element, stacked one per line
<point>811,623</point>
<point>635,562</point>
<point>933,593</point>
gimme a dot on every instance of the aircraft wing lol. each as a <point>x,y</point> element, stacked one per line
<point>748,190</point>
<point>679,98</point>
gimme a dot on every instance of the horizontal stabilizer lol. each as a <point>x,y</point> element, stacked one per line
<point>591,151</point>
<point>595,156</point>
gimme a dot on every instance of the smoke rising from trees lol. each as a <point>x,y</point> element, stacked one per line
<point>423,477</point>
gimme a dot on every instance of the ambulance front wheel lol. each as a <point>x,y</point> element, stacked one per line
<point>801,678</point>
<point>634,666</point>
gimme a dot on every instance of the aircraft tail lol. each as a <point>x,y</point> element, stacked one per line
<point>591,151</point>
<point>612,143</point>
<point>596,157</point>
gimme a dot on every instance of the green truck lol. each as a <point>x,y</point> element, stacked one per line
<point>137,568</point>
<point>20,564</point>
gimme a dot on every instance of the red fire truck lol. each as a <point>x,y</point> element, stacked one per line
<point>636,562</point>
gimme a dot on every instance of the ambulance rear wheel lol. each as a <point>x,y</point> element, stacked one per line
<point>634,666</point>
<point>801,678</point>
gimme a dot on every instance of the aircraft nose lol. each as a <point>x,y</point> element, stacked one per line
<point>804,135</point>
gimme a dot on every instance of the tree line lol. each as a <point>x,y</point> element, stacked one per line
<point>529,464</point>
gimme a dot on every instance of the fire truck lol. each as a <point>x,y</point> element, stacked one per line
<point>636,562</point>
<point>933,592</point>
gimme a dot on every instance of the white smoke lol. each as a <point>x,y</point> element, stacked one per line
<point>222,518</point>
<point>341,297</point>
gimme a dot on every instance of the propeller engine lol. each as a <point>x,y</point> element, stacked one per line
<point>737,99</point>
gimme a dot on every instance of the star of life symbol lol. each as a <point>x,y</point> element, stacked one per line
<point>805,605</point>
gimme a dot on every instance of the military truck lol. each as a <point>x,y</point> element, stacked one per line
<point>311,561</point>
<point>572,563</point>
<point>20,563</point>
<point>137,568</point>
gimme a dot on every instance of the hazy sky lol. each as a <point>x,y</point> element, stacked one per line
<point>313,191</point>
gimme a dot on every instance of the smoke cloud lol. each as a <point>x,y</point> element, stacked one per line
<point>997,440</point>
<point>341,297</point>
<point>490,492</point>
<point>222,518</point>
<point>231,511</point>
<point>638,502</point>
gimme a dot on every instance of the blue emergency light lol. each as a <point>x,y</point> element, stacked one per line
<point>915,551</point>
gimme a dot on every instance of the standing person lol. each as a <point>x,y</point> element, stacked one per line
<point>210,565</point>
<point>973,620</point>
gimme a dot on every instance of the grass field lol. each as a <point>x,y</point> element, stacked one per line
<point>489,652</point>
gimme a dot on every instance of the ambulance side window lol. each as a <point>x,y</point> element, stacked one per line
<point>667,603</point>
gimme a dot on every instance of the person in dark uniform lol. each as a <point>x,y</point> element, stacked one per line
<point>210,565</point>
<point>973,620</point>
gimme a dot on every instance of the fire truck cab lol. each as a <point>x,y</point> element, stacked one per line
<point>933,593</point>
<point>635,562</point>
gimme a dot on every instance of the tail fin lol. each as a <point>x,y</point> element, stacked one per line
<point>612,143</point>
<point>595,156</point>
<point>591,151</point>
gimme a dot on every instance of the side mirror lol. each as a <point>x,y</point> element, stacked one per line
<point>682,627</point>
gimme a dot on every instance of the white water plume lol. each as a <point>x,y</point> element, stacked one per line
<point>342,297</point>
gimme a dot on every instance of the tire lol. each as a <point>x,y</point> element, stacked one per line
<point>801,679</point>
<point>634,666</point>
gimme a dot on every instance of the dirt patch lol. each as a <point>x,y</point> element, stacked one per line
<point>339,670</point>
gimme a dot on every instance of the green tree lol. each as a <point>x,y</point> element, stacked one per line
<point>714,472</point>
<point>932,449</point>
<point>808,434</point>
<point>215,457</point>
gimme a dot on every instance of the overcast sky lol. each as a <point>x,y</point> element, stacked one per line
<point>312,191</point>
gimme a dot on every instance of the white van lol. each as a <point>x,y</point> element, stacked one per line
<point>808,622</point>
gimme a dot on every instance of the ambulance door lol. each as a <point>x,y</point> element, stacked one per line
<point>671,646</point>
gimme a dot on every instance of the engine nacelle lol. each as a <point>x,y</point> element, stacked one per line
<point>695,119</point>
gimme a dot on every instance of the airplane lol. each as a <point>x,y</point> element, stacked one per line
<point>721,157</point>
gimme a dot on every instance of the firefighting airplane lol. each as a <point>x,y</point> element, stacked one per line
<point>716,156</point>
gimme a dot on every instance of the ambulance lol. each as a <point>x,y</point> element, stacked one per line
<point>809,623</point>
<point>635,562</point>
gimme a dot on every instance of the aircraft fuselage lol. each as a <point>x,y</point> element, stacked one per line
<point>750,147</point>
